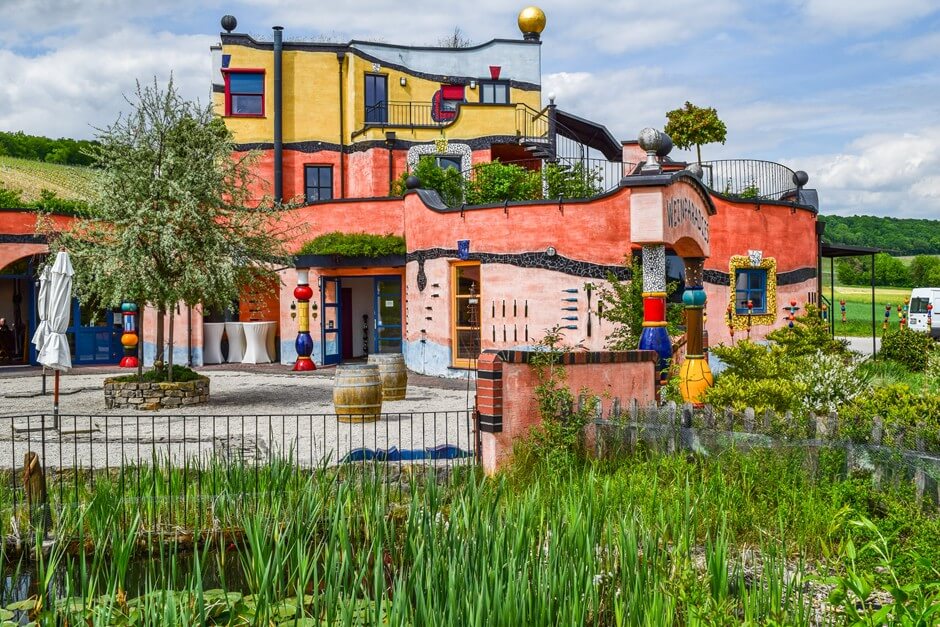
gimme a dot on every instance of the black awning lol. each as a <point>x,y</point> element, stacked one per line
<point>837,250</point>
<point>589,133</point>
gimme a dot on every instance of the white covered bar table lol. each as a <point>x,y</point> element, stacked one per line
<point>256,343</point>
<point>270,339</point>
<point>236,342</point>
<point>212,342</point>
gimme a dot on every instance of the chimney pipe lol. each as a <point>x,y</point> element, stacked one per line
<point>278,139</point>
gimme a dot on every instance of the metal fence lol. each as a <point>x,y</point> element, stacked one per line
<point>749,179</point>
<point>177,458</point>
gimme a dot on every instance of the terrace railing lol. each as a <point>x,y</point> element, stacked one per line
<point>170,466</point>
<point>749,179</point>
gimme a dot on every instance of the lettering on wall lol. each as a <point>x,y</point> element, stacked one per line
<point>682,211</point>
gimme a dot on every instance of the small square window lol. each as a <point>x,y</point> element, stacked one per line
<point>750,285</point>
<point>244,93</point>
<point>454,162</point>
<point>318,183</point>
<point>494,93</point>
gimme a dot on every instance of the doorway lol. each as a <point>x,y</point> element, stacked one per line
<point>362,315</point>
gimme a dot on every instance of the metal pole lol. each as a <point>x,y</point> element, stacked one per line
<point>832,296</point>
<point>55,403</point>
<point>874,346</point>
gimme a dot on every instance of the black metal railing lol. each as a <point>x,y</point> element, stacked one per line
<point>601,174</point>
<point>167,466</point>
<point>749,178</point>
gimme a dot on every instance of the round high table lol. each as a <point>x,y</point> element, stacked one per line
<point>270,339</point>
<point>256,343</point>
<point>236,342</point>
<point>212,342</point>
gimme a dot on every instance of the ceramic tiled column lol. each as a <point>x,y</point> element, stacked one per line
<point>655,336</point>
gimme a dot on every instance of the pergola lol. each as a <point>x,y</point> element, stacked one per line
<point>830,252</point>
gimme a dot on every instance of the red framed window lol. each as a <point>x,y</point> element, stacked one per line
<point>445,102</point>
<point>244,92</point>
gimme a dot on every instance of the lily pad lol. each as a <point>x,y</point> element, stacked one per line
<point>22,606</point>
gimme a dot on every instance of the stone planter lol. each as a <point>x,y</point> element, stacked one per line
<point>133,395</point>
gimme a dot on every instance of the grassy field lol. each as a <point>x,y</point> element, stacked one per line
<point>31,177</point>
<point>858,308</point>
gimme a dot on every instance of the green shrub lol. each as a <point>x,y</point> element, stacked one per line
<point>738,392</point>
<point>355,245</point>
<point>576,181</point>
<point>907,347</point>
<point>499,182</point>
<point>905,414</point>
<point>810,333</point>
<point>447,182</point>
<point>181,374</point>
<point>828,381</point>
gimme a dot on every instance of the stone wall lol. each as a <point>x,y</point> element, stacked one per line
<point>133,395</point>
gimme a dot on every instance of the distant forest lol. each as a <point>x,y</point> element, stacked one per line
<point>63,151</point>
<point>897,236</point>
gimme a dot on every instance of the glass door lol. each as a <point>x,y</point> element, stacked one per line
<point>465,332</point>
<point>376,99</point>
<point>388,314</point>
<point>332,336</point>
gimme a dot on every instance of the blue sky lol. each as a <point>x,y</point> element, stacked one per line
<point>846,90</point>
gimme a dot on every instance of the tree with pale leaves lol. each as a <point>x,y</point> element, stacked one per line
<point>174,216</point>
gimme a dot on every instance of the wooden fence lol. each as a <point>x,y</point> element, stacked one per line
<point>888,455</point>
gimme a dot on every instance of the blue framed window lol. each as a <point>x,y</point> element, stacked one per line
<point>750,285</point>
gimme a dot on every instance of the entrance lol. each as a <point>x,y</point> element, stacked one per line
<point>16,310</point>
<point>94,336</point>
<point>362,315</point>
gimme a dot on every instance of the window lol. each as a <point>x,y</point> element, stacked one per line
<point>449,161</point>
<point>445,102</point>
<point>244,93</point>
<point>919,305</point>
<point>494,93</point>
<point>750,284</point>
<point>318,182</point>
<point>376,99</point>
<point>465,335</point>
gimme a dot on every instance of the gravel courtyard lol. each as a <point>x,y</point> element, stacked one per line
<point>254,413</point>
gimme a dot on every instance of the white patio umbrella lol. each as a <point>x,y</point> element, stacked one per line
<point>53,345</point>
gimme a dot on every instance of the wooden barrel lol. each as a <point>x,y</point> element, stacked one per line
<point>357,393</point>
<point>393,374</point>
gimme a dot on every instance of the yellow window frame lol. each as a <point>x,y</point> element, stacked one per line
<point>458,362</point>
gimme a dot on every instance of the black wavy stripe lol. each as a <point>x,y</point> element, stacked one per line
<point>539,260</point>
<point>793,277</point>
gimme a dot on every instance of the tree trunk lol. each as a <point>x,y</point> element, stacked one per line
<point>158,353</point>
<point>169,371</point>
<point>698,151</point>
<point>140,343</point>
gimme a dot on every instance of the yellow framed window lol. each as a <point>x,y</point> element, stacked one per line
<point>466,288</point>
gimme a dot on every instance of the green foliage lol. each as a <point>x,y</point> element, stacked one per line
<point>810,333</point>
<point>901,236</point>
<point>575,181</point>
<point>924,271</point>
<point>48,202</point>
<point>889,271</point>
<point>907,347</point>
<point>62,151</point>
<point>355,245</point>
<point>558,441</point>
<point>829,381</point>
<point>181,374</point>
<point>757,376</point>
<point>905,414</point>
<point>695,126</point>
<point>11,198</point>
<point>623,306</point>
<point>447,182</point>
<point>498,182</point>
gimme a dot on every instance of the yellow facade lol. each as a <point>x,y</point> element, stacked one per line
<point>311,100</point>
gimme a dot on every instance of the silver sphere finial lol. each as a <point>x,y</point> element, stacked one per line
<point>665,145</point>
<point>695,169</point>
<point>229,23</point>
<point>800,178</point>
<point>651,141</point>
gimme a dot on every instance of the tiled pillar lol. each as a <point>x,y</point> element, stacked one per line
<point>655,336</point>
<point>695,377</point>
<point>490,392</point>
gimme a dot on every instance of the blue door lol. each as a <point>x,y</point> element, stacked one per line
<point>388,314</point>
<point>332,333</point>
<point>93,336</point>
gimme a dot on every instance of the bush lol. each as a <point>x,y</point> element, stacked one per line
<point>181,374</point>
<point>447,182</point>
<point>499,182</point>
<point>905,415</point>
<point>355,245</point>
<point>907,347</point>
<point>829,381</point>
<point>737,392</point>
<point>562,181</point>
<point>810,334</point>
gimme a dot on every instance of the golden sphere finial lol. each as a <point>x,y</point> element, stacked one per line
<point>532,22</point>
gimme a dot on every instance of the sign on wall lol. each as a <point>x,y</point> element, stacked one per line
<point>463,249</point>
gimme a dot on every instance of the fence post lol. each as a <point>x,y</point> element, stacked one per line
<point>672,425</point>
<point>749,419</point>
<point>708,417</point>
<point>729,419</point>
<point>877,434</point>
<point>768,420</point>
<point>686,416</point>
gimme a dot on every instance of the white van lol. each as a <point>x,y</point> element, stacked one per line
<point>917,310</point>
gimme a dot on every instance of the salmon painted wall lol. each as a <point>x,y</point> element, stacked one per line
<point>623,381</point>
<point>181,335</point>
<point>379,216</point>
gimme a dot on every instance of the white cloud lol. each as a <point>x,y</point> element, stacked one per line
<point>870,16</point>
<point>81,83</point>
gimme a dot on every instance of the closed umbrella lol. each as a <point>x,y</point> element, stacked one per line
<point>54,352</point>
<point>42,309</point>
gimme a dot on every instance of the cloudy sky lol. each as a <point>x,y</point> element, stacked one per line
<point>847,90</point>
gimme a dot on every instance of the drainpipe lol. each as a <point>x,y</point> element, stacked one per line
<point>390,143</point>
<point>278,138</point>
<point>552,130</point>
<point>342,128</point>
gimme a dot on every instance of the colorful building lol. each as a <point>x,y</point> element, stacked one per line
<point>337,125</point>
